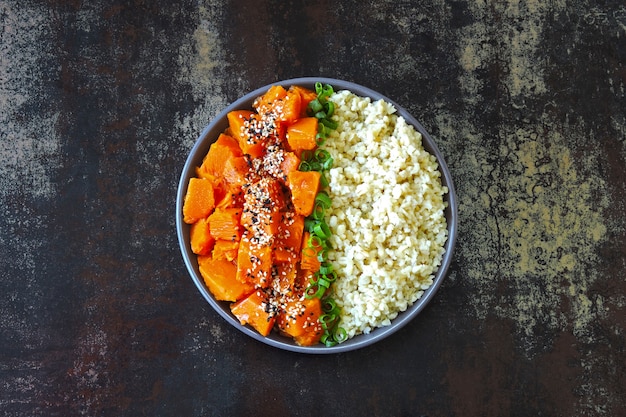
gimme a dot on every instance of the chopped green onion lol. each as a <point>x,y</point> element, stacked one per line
<point>319,211</point>
<point>309,223</point>
<point>333,334</point>
<point>326,269</point>
<point>321,155</point>
<point>322,230</point>
<point>340,335</point>
<point>330,109</point>
<point>322,255</point>
<point>324,181</point>
<point>331,124</point>
<point>323,199</point>
<point>304,166</point>
<point>319,241</point>
<point>329,304</point>
<point>315,242</point>
<point>314,291</point>
<point>315,106</point>
<point>328,320</point>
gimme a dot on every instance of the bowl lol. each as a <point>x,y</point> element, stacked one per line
<point>201,147</point>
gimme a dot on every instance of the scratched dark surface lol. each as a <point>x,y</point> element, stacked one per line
<point>100,102</point>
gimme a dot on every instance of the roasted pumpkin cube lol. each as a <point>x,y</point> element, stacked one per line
<point>304,187</point>
<point>284,106</point>
<point>224,224</point>
<point>290,163</point>
<point>199,200</point>
<point>255,311</point>
<point>302,133</point>
<point>235,171</point>
<point>254,263</point>
<point>220,152</point>
<point>300,320</point>
<point>225,250</point>
<point>220,277</point>
<point>245,126</point>
<point>200,236</point>
<point>306,96</point>
<point>290,233</point>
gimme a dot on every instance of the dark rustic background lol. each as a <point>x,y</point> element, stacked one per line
<point>100,101</point>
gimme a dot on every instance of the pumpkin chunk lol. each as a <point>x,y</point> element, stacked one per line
<point>220,277</point>
<point>225,250</point>
<point>221,151</point>
<point>290,233</point>
<point>224,224</point>
<point>199,200</point>
<point>253,310</point>
<point>290,163</point>
<point>280,104</point>
<point>251,131</point>
<point>306,96</point>
<point>304,187</point>
<point>254,263</point>
<point>301,134</point>
<point>300,320</point>
<point>201,240</point>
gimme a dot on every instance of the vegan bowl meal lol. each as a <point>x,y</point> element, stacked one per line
<point>316,215</point>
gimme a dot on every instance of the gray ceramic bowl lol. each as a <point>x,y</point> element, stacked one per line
<point>210,134</point>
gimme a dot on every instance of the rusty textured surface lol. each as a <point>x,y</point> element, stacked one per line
<point>100,101</point>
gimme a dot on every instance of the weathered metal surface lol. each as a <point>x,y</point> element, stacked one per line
<point>101,101</point>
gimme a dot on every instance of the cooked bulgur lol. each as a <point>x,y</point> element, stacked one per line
<point>388,222</point>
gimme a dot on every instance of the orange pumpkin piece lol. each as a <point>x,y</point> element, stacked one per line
<point>199,200</point>
<point>254,263</point>
<point>290,163</point>
<point>237,120</point>
<point>220,277</point>
<point>288,111</point>
<point>232,199</point>
<point>200,236</point>
<point>312,335</point>
<point>301,134</point>
<point>235,171</point>
<point>265,103</point>
<point>265,194</point>
<point>221,151</point>
<point>285,255</point>
<point>304,187</point>
<point>310,251</point>
<point>306,96</point>
<point>261,223</point>
<point>300,320</point>
<point>304,278</point>
<point>285,276</point>
<point>225,250</point>
<point>283,105</point>
<point>290,234</point>
<point>245,126</point>
<point>263,202</point>
<point>254,310</point>
<point>224,224</point>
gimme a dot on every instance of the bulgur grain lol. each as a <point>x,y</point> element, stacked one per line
<point>387,217</point>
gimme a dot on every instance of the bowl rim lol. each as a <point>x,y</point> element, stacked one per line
<point>209,134</point>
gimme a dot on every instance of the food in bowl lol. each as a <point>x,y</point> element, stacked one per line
<point>387,217</point>
<point>256,216</point>
<point>350,294</point>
